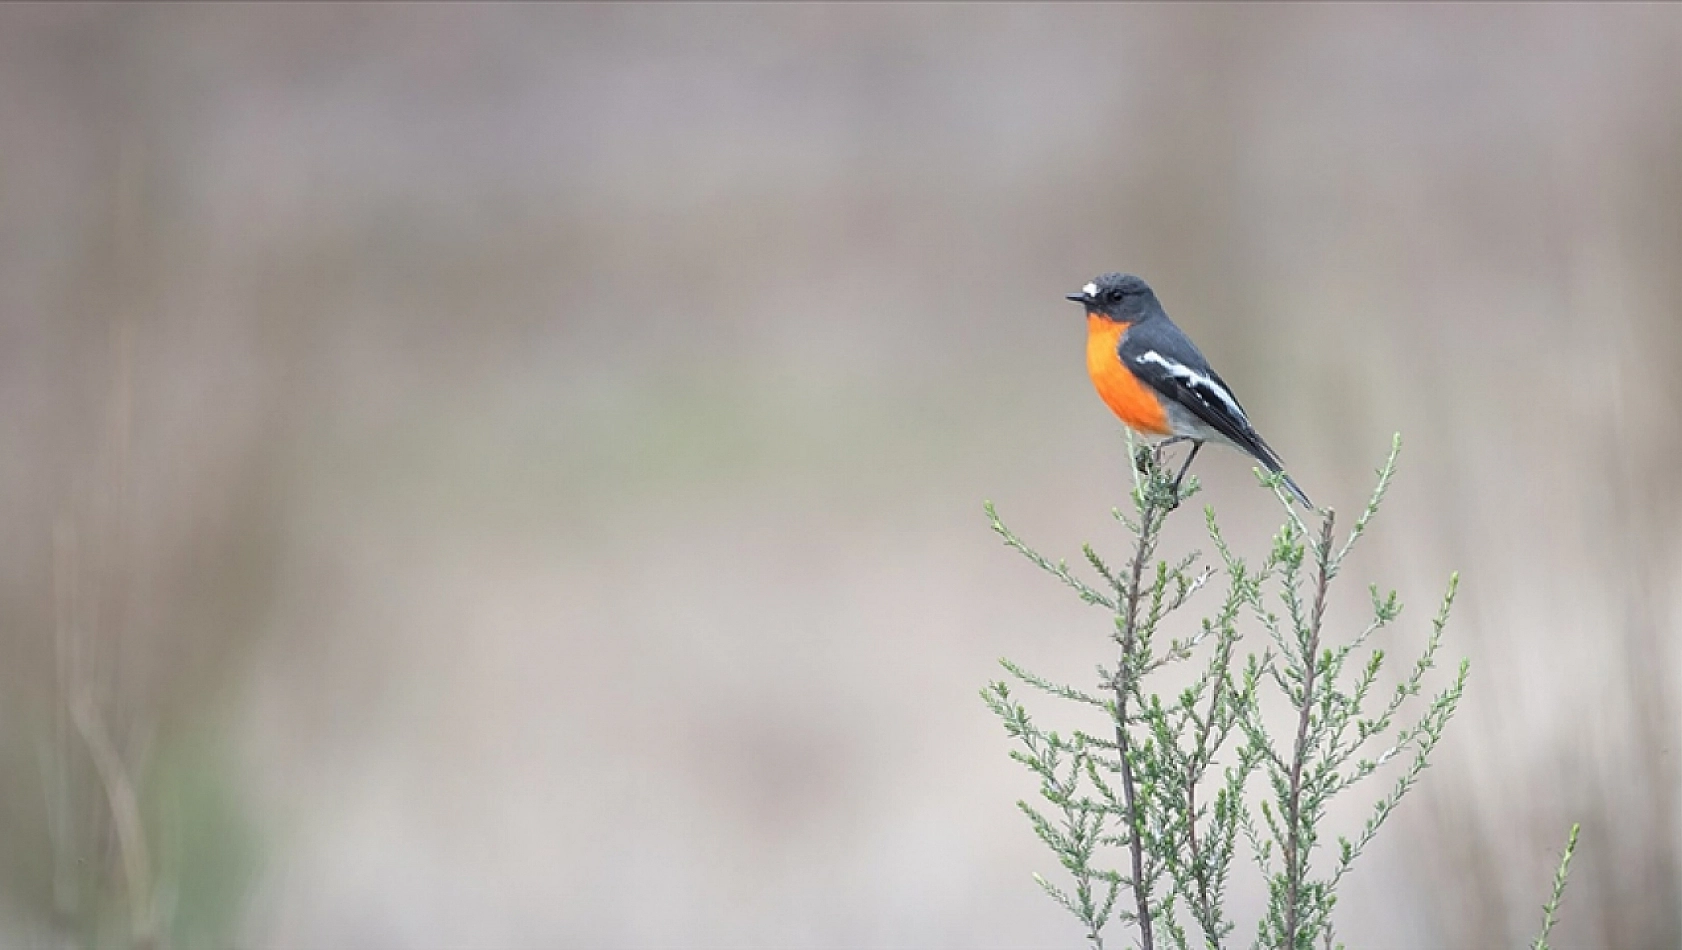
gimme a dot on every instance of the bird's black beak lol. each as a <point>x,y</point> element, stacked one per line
<point>1078,298</point>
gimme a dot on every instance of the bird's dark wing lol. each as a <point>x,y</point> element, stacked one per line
<point>1162,357</point>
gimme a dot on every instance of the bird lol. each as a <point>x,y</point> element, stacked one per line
<point>1155,379</point>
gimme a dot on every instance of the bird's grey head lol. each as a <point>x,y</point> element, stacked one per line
<point>1122,297</point>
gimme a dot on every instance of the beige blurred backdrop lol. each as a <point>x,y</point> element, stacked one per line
<point>511,476</point>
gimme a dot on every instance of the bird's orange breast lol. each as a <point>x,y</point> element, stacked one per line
<point>1133,401</point>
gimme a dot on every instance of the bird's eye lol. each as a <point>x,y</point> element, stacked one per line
<point>1112,296</point>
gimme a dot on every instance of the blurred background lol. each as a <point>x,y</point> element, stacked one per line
<point>511,476</point>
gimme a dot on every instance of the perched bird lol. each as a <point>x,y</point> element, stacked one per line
<point>1154,378</point>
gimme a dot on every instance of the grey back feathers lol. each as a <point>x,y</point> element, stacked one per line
<point>1200,404</point>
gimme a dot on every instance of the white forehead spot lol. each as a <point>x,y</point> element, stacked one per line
<point>1091,290</point>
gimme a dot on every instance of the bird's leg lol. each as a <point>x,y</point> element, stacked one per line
<point>1196,446</point>
<point>1156,450</point>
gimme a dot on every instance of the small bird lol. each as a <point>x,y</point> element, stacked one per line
<point>1153,377</point>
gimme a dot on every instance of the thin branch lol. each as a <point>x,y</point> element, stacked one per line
<point>1151,516</point>
<point>1059,569</point>
<point>1295,860</point>
<point>1385,474</point>
<point>1551,908</point>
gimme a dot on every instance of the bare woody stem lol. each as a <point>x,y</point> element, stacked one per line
<point>1199,872</point>
<point>1295,860</point>
<point>1152,512</point>
<point>1191,837</point>
<point>1134,844</point>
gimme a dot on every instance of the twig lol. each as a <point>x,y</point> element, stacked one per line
<point>1153,512</point>
<point>1295,860</point>
<point>1551,908</point>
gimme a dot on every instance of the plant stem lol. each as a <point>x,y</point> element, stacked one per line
<point>1200,764</point>
<point>1550,910</point>
<point>1295,861</point>
<point>1191,832</point>
<point>1151,515</point>
<point>125,817</point>
<point>1134,844</point>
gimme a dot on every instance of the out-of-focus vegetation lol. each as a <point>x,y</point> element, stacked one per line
<point>506,475</point>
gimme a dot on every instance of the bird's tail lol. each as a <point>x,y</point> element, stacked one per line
<point>1271,460</point>
<point>1296,490</point>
